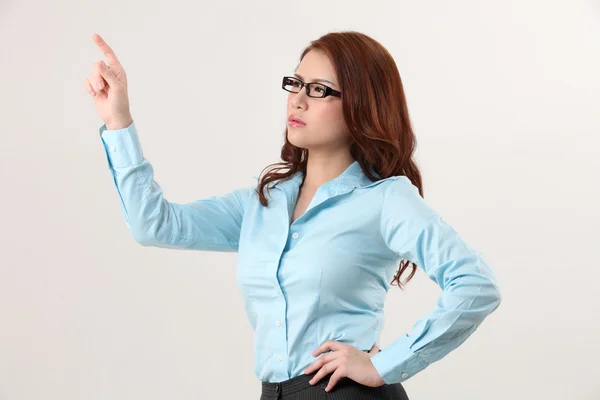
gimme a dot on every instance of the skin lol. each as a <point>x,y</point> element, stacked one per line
<point>344,361</point>
<point>326,134</point>
<point>327,140</point>
<point>107,85</point>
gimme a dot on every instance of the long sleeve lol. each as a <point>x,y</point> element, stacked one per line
<point>415,232</point>
<point>212,224</point>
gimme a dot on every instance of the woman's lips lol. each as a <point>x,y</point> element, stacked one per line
<point>295,121</point>
<point>296,124</point>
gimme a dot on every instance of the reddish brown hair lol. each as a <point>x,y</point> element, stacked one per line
<point>375,111</point>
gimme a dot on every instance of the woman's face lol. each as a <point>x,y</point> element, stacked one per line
<point>325,127</point>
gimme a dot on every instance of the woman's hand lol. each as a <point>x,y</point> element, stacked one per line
<point>344,361</point>
<point>108,86</point>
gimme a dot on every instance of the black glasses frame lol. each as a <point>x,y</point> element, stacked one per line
<point>328,91</point>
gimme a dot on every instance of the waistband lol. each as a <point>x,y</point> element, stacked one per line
<point>295,384</point>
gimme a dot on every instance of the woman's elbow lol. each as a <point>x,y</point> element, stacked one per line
<point>142,237</point>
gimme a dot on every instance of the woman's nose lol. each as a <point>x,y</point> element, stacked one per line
<point>299,98</point>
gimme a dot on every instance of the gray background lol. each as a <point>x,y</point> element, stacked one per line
<point>504,98</point>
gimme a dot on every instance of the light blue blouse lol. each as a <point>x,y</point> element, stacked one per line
<point>326,275</point>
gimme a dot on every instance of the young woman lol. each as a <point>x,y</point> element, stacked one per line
<point>324,233</point>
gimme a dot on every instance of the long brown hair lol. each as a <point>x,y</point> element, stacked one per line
<point>375,111</point>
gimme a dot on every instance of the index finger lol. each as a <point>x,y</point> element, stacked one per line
<point>111,58</point>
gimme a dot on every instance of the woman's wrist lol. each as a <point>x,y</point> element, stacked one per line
<point>119,124</point>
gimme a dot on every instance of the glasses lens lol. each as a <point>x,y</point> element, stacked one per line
<point>316,90</point>
<point>291,84</point>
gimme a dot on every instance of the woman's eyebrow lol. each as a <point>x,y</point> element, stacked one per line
<point>316,80</point>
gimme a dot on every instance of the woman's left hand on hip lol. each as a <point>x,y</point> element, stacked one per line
<point>344,361</point>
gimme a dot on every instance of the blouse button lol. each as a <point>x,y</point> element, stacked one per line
<point>295,235</point>
<point>405,375</point>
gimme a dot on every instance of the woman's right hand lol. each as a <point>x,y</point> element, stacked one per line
<point>108,87</point>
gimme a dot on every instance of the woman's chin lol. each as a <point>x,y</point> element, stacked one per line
<point>298,141</point>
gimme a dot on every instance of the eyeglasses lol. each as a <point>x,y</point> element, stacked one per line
<point>313,89</point>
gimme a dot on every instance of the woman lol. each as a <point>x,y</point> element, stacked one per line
<point>320,236</point>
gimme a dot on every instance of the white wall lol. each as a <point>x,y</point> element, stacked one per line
<point>504,98</point>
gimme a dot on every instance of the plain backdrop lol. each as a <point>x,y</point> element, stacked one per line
<point>504,99</point>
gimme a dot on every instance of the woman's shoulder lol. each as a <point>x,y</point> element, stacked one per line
<point>395,184</point>
<point>401,196</point>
